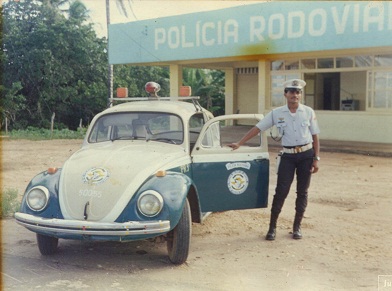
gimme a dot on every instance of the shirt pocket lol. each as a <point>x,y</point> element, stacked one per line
<point>305,123</point>
<point>281,127</point>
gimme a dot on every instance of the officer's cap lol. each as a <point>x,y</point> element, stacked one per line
<point>294,83</point>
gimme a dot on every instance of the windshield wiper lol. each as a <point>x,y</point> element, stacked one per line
<point>123,138</point>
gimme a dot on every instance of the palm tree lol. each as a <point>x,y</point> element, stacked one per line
<point>77,10</point>
<point>208,84</point>
<point>54,3</point>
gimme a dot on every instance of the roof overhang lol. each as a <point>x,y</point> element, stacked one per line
<point>251,32</point>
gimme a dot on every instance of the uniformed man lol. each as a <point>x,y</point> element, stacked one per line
<point>298,131</point>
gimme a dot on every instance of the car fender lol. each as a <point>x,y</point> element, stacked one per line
<point>51,182</point>
<point>174,188</point>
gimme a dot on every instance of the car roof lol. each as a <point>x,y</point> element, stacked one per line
<point>182,108</point>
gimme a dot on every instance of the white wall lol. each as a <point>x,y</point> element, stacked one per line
<point>358,126</point>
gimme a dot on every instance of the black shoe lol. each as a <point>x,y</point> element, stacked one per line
<point>297,234</point>
<point>271,234</point>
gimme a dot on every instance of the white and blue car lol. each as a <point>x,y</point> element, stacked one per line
<point>148,169</point>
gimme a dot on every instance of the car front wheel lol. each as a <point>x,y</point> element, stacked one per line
<point>179,239</point>
<point>47,245</point>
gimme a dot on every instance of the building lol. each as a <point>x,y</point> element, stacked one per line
<point>342,49</point>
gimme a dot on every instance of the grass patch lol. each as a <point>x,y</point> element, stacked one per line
<point>33,133</point>
<point>9,202</point>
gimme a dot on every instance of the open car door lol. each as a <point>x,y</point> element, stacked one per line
<point>229,179</point>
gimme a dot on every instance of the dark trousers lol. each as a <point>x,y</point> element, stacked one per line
<point>290,164</point>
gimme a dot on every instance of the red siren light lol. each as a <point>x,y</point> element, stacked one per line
<point>152,87</point>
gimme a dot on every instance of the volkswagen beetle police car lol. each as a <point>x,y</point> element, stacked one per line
<point>146,169</point>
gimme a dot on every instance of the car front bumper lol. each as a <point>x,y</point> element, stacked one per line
<point>75,228</point>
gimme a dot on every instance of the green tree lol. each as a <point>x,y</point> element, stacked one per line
<point>58,60</point>
<point>209,86</point>
<point>135,77</point>
<point>13,102</point>
<point>55,63</point>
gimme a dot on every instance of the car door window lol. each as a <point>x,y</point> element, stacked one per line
<point>212,137</point>
<point>196,123</point>
<point>223,132</point>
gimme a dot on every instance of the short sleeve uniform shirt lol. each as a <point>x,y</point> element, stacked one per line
<point>294,129</point>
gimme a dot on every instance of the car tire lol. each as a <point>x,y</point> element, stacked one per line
<point>179,239</point>
<point>47,245</point>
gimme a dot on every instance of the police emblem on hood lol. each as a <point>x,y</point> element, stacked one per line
<point>96,175</point>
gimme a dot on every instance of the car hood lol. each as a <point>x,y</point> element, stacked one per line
<point>99,180</point>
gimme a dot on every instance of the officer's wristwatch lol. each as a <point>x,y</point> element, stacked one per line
<point>316,158</point>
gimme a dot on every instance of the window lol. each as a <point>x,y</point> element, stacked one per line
<point>156,126</point>
<point>364,81</point>
<point>291,65</point>
<point>277,65</point>
<point>277,97</point>
<point>344,62</point>
<point>285,65</point>
<point>363,61</point>
<point>308,64</point>
<point>223,132</point>
<point>326,63</point>
<point>196,123</point>
<point>383,61</point>
<point>380,90</point>
<point>212,138</point>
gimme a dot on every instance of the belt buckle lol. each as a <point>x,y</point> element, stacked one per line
<point>297,150</point>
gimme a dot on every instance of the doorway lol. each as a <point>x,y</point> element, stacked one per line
<point>331,85</point>
<point>323,91</point>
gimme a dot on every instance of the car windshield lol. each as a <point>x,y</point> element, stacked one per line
<point>149,126</point>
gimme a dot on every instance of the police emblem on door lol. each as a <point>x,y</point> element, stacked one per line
<point>238,182</point>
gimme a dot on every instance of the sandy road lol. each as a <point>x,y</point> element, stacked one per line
<point>346,246</point>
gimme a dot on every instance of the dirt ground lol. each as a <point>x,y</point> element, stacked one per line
<point>347,230</point>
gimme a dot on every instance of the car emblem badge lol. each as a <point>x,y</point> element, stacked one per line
<point>238,182</point>
<point>96,175</point>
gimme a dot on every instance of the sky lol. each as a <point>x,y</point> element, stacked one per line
<point>148,9</point>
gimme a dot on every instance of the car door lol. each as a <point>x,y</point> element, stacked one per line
<point>229,179</point>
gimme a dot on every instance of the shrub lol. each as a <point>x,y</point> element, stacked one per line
<point>9,202</point>
<point>33,133</point>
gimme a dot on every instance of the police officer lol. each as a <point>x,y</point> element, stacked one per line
<point>298,130</point>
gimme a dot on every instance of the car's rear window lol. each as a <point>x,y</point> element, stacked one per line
<point>154,126</point>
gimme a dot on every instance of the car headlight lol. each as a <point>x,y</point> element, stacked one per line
<point>37,198</point>
<point>150,203</point>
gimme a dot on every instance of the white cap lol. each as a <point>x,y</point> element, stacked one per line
<point>294,83</point>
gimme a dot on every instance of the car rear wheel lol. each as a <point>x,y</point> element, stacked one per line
<point>47,245</point>
<point>178,239</point>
